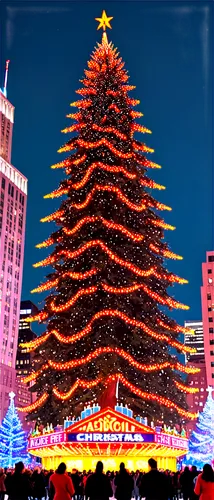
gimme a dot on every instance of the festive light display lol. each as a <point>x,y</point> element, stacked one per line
<point>108,224</point>
<point>112,313</point>
<point>108,350</point>
<point>118,376</point>
<point>13,440</point>
<point>201,443</point>
<point>108,279</point>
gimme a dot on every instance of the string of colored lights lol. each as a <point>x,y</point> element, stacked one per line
<point>109,224</point>
<point>138,286</point>
<point>165,253</point>
<point>69,274</point>
<point>151,184</point>
<point>88,91</point>
<point>142,147</point>
<point>176,328</point>
<point>46,243</point>
<point>74,128</point>
<point>112,130</point>
<point>114,313</point>
<point>69,365</point>
<point>136,270</point>
<point>39,402</point>
<point>162,224</point>
<point>110,189</point>
<point>139,128</point>
<point>71,302</point>
<point>146,163</point>
<point>108,168</point>
<point>185,388</point>
<point>132,322</point>
<point>143,395</point>
<point>82,104</point>
<point>56,215</point>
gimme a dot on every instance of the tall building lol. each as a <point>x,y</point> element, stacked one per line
<point>195,340</point>
<point>207,304</point>
<point>13,200</point>
<point>197,400</point>
<point>24,359</point>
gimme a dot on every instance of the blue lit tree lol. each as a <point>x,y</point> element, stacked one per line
<point>201,443</point>
<point>13,440</point>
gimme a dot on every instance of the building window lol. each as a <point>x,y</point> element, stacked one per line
<point>211,258</point>
<point>212,342</point>
<point>210,281</point>
<point>211,330</point>
<point>3,183</point>
<point>212,375</point>
<point>212,364</point>
<point>209,309</point>
<point>209,271</point>
<point>210,320</point>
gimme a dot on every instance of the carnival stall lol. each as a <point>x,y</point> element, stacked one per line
<point>108,435</point>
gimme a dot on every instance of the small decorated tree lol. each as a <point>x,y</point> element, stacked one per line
<point>13,440</point>
<point>201,444</point>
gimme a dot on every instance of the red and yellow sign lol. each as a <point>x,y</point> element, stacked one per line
<point>111,437</point>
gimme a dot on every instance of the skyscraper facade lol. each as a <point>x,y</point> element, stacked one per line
<point>24,358</point>
<point>196,401</point>
<point>195,340</point>
<point>13,199</point>
<point>207,303</point>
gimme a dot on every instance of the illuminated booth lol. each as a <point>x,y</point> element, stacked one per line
<point>110,436</point>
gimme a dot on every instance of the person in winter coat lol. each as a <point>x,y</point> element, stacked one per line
<point>124,484</point>
<point>18,485</point>
<point>205,484</point>
<point>38,482</point>
<point>62,484</point>
<point>187,485</point>
<point>98,486</point>
<point>153,485</point>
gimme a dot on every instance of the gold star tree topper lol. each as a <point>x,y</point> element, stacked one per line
<point>104,21</point>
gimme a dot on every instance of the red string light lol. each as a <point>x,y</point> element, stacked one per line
<point>110,130</point>
<point>151,184</point>
<point>162,224</point>
<point>75,276</point>
<point>107,168</point>
<point>142,147</point>
<point>39,402</point>
<point>139,128</point>
<point>111,189</point>
<point>133,288</point>
<point>109,224</point>
<point>114,107</point>
<point>88,91</point>
<point>132,102</point>
<point>75,116</point>
<point>135,114</point>
<point>46,243</point>
<point>165,253</point>
<point>73,128</point>
<point>69,365</point>
<point>143,395</point>
<point>101,142</point>
<point>56,215</point>
<point>176,328</point>
<point>71,302</point>
<point>83,104</point>
<point>185,388</point>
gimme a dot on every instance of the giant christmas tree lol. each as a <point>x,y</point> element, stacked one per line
<point>103,317</point>
<point>13,440</point>
<point>201,443</point>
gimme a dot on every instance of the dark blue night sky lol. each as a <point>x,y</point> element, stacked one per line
<point>167,48</point>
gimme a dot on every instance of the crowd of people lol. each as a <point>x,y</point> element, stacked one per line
<point>24,484</point>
